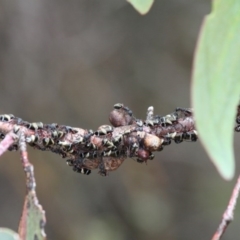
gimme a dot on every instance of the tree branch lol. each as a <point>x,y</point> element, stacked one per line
<point>107,147</point>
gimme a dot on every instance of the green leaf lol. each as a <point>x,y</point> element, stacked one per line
<point>33,219</point>
<point>142,6</point>
<point>216,83</point>
<point>8,234</point>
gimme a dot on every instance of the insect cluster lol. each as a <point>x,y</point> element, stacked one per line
<point>107,147</point>
<point>237,128</point>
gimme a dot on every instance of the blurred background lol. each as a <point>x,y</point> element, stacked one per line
<point>70,62</point>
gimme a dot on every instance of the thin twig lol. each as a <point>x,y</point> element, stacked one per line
<point>229,212</point>
<point>7,142</point>
<point>33,218</point>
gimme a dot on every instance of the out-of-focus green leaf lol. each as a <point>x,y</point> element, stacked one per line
<point>8,234</point>
<point>142,6</point>
<point>33,219</point>
<point>216,83</point>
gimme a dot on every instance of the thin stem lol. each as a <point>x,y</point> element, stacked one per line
<point>7,142</point>
<point>229,212</point>
<point>33,212</point>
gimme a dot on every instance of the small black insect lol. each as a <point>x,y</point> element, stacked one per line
<point>184,111</point>
<point>106,153</point>
<point>165,121</point>
<point>60,134</point>
<point>102,171</point>
<point>91,146</point>
<point>14,147</point>
<point>54,134</point>
<point>151,156</point>
<point>238,120</point>
<point>167,141</point>
<point>70,130</point>
<point>117,139</point>
<point>237,128</point>
<point>126,109</point>
<point>190,136</point>
<point>118,106</point>
<point>52,126</point>
<point>2,136</point>
<point>84,155</point>
<point>115,153</point>
<point>178,138</point>
<point>139,160</point>
<point>6,117</point>
<point>108,144</point>
<point>70,162</point>
<point>87,136</point>
<point>100,132</point>
<point>32,139</point>
<point>35,126</point>
<point>81,170</point>
<point>104,130</point>
<point>94,154</point>
<point>149,123</point>
<point>16,128</point>
<point>160,148</point>
<point>66,146</point>
<point>47,142</point>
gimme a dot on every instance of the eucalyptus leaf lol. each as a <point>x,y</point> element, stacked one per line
<point>8,234</point>
<point>33,219</point>
<point>142,6</point>
<point>216,83</point>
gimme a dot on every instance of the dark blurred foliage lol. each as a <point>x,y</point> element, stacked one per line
<point>69,62</point>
